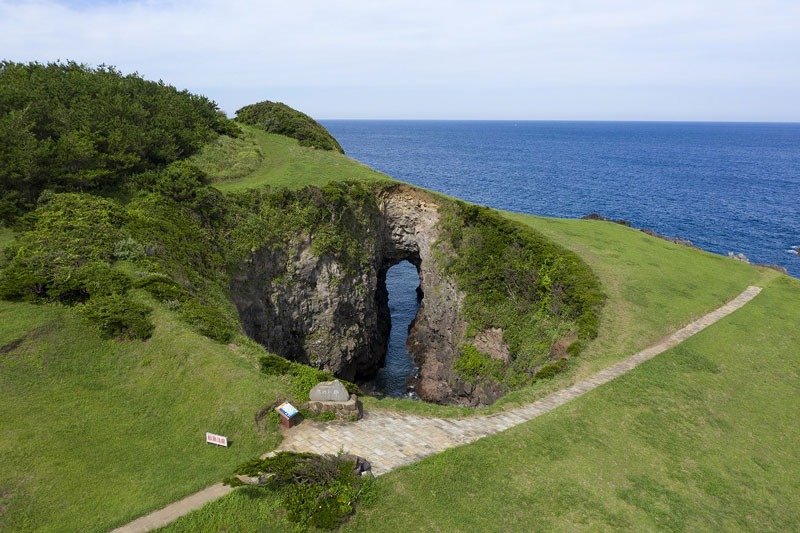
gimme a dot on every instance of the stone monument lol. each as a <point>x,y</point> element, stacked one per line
<point>332,396</point>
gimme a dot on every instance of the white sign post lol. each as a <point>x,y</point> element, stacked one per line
<point>219,440</point>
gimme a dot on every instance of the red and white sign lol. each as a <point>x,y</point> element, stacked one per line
<point>219,440</point>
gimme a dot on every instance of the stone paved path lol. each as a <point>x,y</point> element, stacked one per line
<point>389,440</point>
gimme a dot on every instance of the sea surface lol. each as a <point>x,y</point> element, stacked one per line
<point>727,187</point>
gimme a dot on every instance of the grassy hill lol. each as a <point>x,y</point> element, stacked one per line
<point>96,432</point>
<point>258,158</point>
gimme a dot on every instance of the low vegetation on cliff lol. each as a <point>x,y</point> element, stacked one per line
<point>515,279</point>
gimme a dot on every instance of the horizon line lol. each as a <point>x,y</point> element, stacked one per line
<point>647,121</point>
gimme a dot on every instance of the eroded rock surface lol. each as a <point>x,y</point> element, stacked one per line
<point>314,310</point>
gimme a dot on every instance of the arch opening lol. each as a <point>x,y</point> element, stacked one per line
<point>403,296</point>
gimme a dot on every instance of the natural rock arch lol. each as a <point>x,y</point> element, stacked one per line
<point>313,310</point>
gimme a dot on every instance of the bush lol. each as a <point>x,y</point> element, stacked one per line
<point>128,249</point>
<point>550,370</point>
<point>472,364</point>
<point>208,321</point>
<point>276,117</point>
<point>117,316</point>
<point>161,287</point>
<point>304,378</point>
<point>273,365</point>
<point>180,181</point>
<point>318,490</point>
<point>71,286</point>
<point>48,260</point>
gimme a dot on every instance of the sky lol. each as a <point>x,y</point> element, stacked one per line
<point>705,60</point>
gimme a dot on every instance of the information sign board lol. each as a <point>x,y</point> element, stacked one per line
<point>219,440</point>
<point>287,410</point>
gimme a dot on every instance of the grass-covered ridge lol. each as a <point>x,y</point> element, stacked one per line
<point>257,158</point>
<point>277,117</point>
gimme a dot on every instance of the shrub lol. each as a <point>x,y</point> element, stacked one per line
<point>128,249</point>
<point>180,181</point>
<point>550,370</point>
<point>304,378</point>
<point>276,117</point>
<point>208,321</point>
<point>161,287</point>
<point>472,364</point>
<point>273,365</point>
<point>117,316</point>
<point>71,286</point>
<point>48,260</point>
<point>318,490</point>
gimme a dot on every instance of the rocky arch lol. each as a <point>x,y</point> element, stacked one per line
<point>311,310</point>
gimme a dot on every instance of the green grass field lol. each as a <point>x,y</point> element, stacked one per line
<point>703,437</point>
<point>96,433</point>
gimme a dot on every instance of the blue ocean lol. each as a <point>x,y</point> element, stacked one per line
<point>727,187</point>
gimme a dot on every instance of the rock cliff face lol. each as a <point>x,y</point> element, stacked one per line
<point>313,310</point>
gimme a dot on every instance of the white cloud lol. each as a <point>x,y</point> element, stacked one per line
<point>417,47</point>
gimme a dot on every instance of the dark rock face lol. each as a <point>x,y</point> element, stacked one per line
<point>304,308</point>
<point>312,310</point>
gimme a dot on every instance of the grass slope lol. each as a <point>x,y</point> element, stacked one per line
<point>96,433</point>
<point>261,158</point>
<point>703,437</point>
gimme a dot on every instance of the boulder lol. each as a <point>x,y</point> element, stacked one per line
<point>329,391</point>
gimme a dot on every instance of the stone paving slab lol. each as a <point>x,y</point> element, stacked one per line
<point>390,440</point>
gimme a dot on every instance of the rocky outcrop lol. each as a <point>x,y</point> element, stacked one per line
<point>743,258</point>
<point>307,309</point>
<point>314,310</point>
<point>648,231</point>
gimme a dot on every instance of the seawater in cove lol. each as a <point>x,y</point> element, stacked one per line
<point>402,281</point>
<point>724,186</point>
